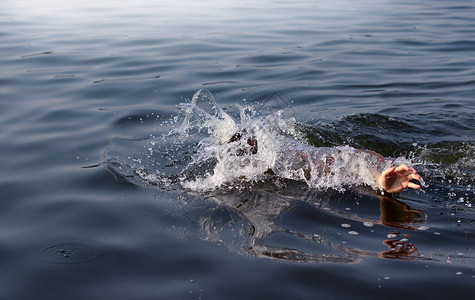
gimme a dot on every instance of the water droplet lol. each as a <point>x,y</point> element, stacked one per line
<point>345,225</point>
<point>422,228</point>
<point>353,233</point>
<point>368,224</point>
<point>391,235</point>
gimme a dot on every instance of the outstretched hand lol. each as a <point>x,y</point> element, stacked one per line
<point>394,179</point>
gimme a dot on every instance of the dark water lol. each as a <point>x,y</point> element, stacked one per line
<point>87,91</point>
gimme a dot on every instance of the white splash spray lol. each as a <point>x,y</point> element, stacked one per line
<point>221,161</point>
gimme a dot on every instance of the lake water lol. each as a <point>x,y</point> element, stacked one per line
<point>94,196</point>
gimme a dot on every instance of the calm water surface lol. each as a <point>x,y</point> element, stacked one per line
<point>88,90</point>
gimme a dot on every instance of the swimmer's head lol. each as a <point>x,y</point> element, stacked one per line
<point>250,148</point>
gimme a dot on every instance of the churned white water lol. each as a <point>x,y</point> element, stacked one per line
<point>229,152</point>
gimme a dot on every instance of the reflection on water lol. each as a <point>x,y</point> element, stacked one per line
<point>247,220</point>
<point>398,248</point>
<point>394,213</point>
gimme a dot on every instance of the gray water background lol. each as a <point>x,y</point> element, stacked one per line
<point>85,83</point>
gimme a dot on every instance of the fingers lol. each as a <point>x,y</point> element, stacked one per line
<point>388,172</point>
<point>413,185</point>
<point>395,179</point>
<point>411,173</point>
<point>402,169</point>
<point>414,176</point>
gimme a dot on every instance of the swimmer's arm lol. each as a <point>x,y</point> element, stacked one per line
<point>396,179</point>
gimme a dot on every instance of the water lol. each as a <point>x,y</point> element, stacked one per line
<point>95,202</point>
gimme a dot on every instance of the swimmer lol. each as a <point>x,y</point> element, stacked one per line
<point>304,158</point>
<point>322,166</point>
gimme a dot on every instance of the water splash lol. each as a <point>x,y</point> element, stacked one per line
<point>203,112</point>
<point>266,146</point>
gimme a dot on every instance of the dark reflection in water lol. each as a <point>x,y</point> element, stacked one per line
<point>247,220</point>
<point>394,213</point>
